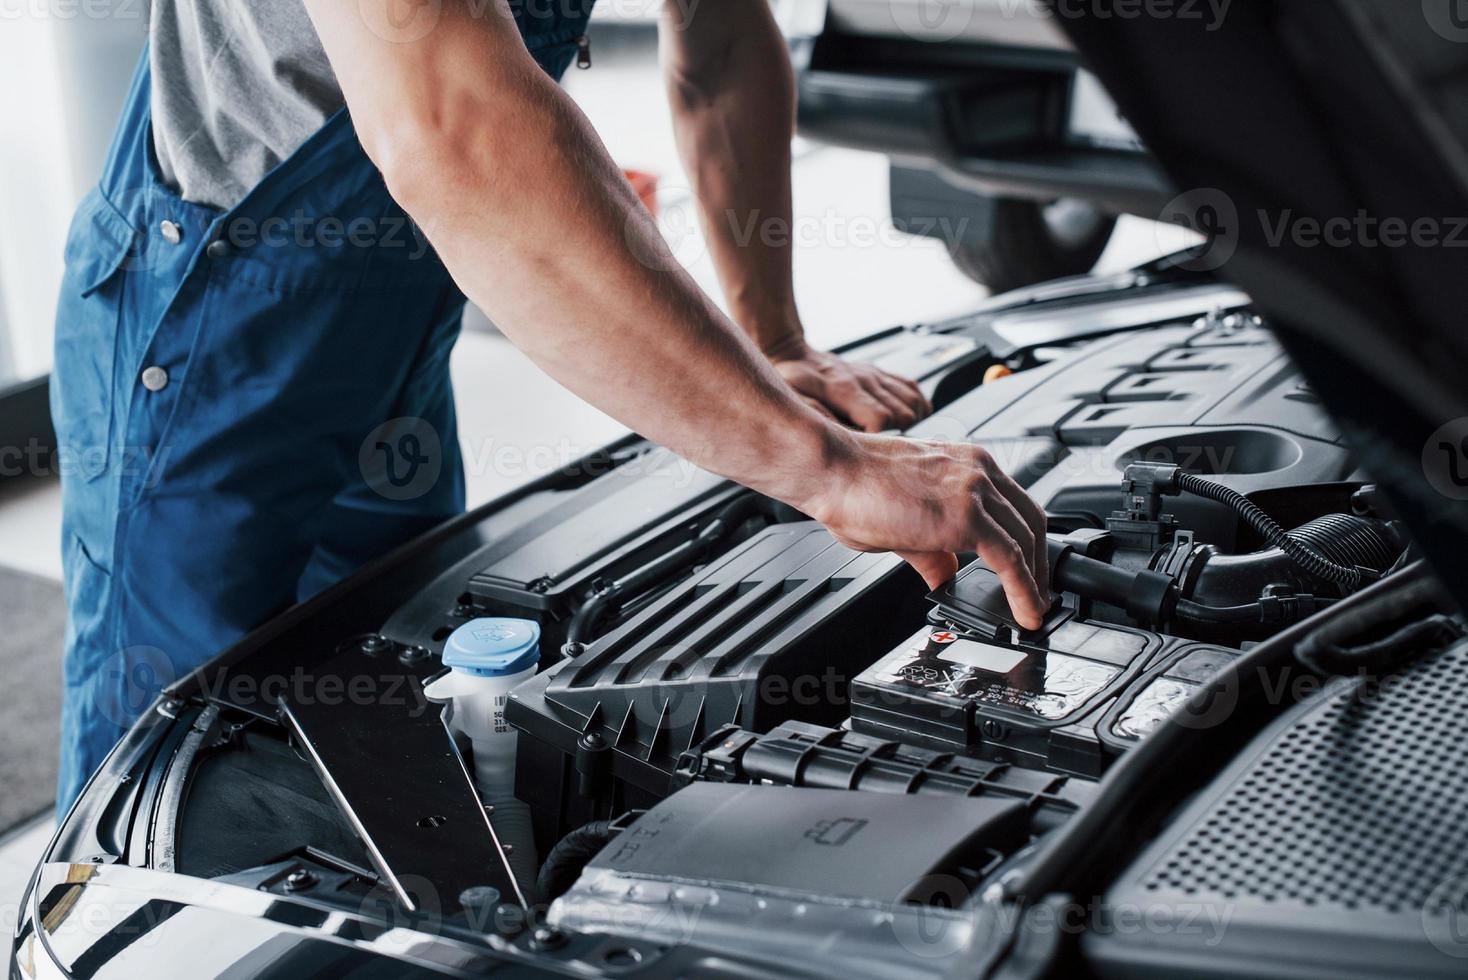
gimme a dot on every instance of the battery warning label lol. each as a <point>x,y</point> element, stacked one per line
<point>1047,685</point>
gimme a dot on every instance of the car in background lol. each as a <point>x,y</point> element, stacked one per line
<point>1002,145</point>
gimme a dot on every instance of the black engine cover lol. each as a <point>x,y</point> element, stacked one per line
<point>774,630</point>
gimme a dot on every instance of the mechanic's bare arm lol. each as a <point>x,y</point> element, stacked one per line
<point>538,227</point>
<point>732,92</point>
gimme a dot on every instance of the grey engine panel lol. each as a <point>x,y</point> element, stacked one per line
<point>1223,402</point>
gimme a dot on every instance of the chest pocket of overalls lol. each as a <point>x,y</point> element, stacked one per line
<point>99,255</point>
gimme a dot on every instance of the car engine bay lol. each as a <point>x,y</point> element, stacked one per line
<point>749,745</point>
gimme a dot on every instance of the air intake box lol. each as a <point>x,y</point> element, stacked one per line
<point>771,631</point>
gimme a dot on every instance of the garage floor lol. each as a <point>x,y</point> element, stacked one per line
<point>853,276</point>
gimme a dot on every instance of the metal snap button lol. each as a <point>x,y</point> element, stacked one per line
<point>172,233</point>
<point>217,249</point>
<point>155,378</point>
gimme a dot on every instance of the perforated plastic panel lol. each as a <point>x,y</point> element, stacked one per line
<point>1337,843</point>
<point>1364,804</point>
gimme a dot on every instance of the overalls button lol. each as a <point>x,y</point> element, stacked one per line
<point>155,378</point>
<point>172,233</point>
<point>217,249</point>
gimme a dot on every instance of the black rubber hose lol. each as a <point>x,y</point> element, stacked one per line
<point>1273,609</point>
<point>1299,551</point>
<point>565,862</point>
<point>1147,596</point>
<point>690,552</point>
<point>1151,598</point>
<point>1195,612</point>
<point>1351,540</point>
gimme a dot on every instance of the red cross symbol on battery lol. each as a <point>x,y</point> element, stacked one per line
<point>942,636</point>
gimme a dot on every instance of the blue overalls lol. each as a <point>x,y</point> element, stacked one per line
<point>248,404</point>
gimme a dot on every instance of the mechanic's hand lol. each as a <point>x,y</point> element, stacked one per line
<point>928,500</point>
<point>865,396</point>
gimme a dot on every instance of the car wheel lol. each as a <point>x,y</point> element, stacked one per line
<point>1032,241</point>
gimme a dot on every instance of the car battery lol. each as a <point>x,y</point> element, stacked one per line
<point>1069,697</point>
<point>1069,700</point>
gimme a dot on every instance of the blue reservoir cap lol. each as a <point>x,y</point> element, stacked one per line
<point>493,646</point>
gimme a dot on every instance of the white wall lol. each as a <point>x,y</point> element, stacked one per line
<point>64,66</point>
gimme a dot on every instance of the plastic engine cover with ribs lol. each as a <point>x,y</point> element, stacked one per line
<point>1222,401</point>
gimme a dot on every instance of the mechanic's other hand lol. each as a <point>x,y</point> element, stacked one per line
<point>865,396</point>
<point>926,501</point>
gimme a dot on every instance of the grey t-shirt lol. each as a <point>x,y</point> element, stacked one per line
<point>237,87</point>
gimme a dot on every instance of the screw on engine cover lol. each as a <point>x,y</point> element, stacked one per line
<point>374,643</point>
<point>413,655</point>
<point>299,880</point>
<point>593,740</point>
<point>547,937</point>
<point>541,585</point>
<point>993,730</point>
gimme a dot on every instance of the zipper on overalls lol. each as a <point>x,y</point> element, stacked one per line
<point>583,52</point>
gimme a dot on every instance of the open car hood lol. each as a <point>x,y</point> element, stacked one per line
<point>1321,147</point>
